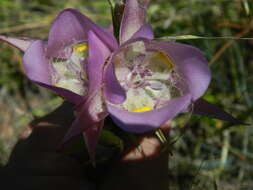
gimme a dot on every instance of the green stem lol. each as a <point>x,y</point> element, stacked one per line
<point>117,13</point>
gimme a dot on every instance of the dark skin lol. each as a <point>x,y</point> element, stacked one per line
<point>36,162</point>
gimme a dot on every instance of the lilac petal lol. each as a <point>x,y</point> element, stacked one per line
<point>202,107</point>
<point>90,130</point>
<point>91,136</point>
<point>89,122</point>
<point>98,54</point>
<point>145,31</point>
<point>20,43</point>
<point>113,91</point>
<point>36,67</point>
<point>133,19</point>
<point>190,63</point>
<point>82,122</point>
<point>147,121</point>
<point>36,64</point>
<point>89,110</point>
<point>71,27</point>
<point>66,94</point>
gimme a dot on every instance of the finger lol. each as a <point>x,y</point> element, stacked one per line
<point>149,148</point>
<point>46,133</point>
<point>148,174</point>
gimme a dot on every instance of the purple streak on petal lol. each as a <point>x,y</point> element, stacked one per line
<point>202,107</point>
<point>147,121</point>
<point>20,43</point>
<point>145,31</point>
<point>36,67</point>
<point>114,93</point>
<point>132,20</point>
<point>70,27</point>
<point>98,54</point>
<point>190,63</point>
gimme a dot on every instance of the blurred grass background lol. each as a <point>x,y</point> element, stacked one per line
<point>210,154</point>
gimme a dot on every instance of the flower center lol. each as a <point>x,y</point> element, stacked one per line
<point>71,73</point>
<point>148,77</point>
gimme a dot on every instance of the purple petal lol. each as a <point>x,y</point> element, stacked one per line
<point>66,94</point>
<point>190,63</point>
<point>133,19</point>
<point>202,107</point>
<point>20,43</point>
<point>98,54</point>
<point>36,64</point>
<point>36,67</point>
<point>113,91</point>
<point>71,27</point>
<point>89,122</point>
<point>82,122</point>
<point>147,121</point>
<point>145,31</point>
<point>91,136</point>
<point>90,129</point>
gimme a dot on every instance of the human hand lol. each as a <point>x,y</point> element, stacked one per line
<point>35,162</point>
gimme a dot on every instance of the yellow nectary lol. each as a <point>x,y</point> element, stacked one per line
<point>144,109</point>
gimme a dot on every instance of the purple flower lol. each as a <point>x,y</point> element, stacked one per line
<point>140,83</point>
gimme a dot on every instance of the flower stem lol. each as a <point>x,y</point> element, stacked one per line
<point>161,136</point>
<point>117,9</point>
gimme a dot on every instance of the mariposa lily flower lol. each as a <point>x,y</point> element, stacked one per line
<point>139,82</point>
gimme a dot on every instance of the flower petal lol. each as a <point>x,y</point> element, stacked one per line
<point>83,121</point>
<point>133,18</point>
<point>36,64</point>
<point>20,43</point>
<point>190,63</point>
<point>114,92</point>
<point>145,31</point>
<point>71,27</point>
<point>147,121</point>
<point>202,107</point>
<point>36,67</point>
<point>88,122</point>
<point>98,54</point>
<point>91,111</point>
<point>91,136</point>
<point>66,94</point>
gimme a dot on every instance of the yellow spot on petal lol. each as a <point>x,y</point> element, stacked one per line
<point>165,59</point>
<point>144,109</point>
<point>81,48</point>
